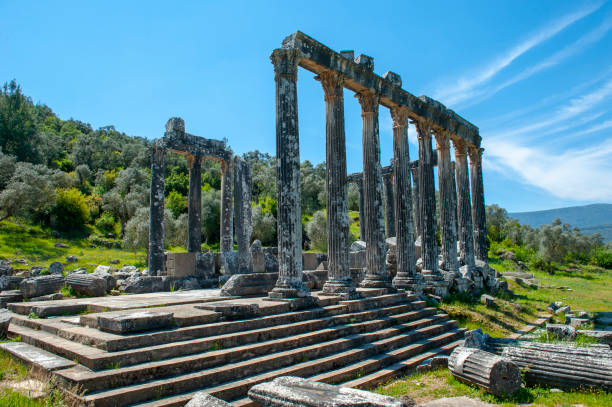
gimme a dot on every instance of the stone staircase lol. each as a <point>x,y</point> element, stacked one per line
<point>357,343</point>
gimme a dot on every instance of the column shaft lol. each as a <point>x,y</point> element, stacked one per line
<point>227,210</point>
<point>242,214</point>
<point>376,272</point>
<point>362,223</point>
<point>156,216</point>
<point>339,274</point>
<point>289,211</point>
<point>194,238</point>
<point>478,204</point>
<point>448,233</point>
<point>464,207</point>
<point>406,276</point>
<point>389,206</point>
<point>417,201</point>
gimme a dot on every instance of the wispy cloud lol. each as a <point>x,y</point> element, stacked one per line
<point>578,174</point>
<point>467,87</point>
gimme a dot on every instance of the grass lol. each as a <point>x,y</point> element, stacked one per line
<point>423,387</point>
<point>37,246</point>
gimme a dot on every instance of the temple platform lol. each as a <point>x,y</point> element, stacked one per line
<point>159,349</point>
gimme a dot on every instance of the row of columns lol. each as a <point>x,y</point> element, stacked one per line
<point>289,284</point>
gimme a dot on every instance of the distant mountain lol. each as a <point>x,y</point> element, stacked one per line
<point>590,219</point>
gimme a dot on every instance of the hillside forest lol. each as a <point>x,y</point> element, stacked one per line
<point>77,181</point>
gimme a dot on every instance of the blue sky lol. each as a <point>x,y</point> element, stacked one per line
<point>535,76</point>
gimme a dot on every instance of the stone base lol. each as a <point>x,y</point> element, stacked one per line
<point>434,284</point>
<point>232,310</point>
<point>343,289</point>
<point>411,284</point>
<point>279,293</point>
<point>296,303</point>
<point>375,282</point>
<point>134,321</point>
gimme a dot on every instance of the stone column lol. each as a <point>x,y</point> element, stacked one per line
<point>242,214</point>
<point>339,280</point>
<point>389,206</point>
<point>376,272</point>
<point>156,215</point>
<point>227,210</point>
<point>448,233</point>
<point>434,282</point>
<point>454,196</point>
<point>406,276</point>
<point>194,238</point>
<point>464,209</point>
<point>478,204</point>
<point>417,201</point>
<point>361,211</point>
<point>289,211</point>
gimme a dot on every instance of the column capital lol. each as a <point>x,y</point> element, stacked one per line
<point>423,128</point>
<point>369,101</point>
<point>475,153</point>
<point>285,62</point>
<point>332,83</point>
<point>442,140</point>
<point>460,147</point>
<point>400,116</point>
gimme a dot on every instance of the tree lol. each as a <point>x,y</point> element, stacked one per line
<point>175,202</point>
<point>496,219</point>
<point>353,197</point>
<point>316,230</point>
<point>264,226</point>
<point>130,192</point>
<point>137,230</point>
<point>71,211</point>
<point>7,169</point>
<point>211,213</point>
<point>18,135</point>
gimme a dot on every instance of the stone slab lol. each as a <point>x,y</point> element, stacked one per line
<point>232,310</point>
<point>201,399</point>
<point>294,391</point>
<point>180,264</point>
<point>52,309</point>
<point>462,401</point>
<point>134,321</point>
<point>253,284</point>
<point>43,360</point>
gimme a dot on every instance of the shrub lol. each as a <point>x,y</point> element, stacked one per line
<point>71,211</point>
<point>176,203</point>
<point>106,223</point>
<point>264,226</point>
<point>602,257</point>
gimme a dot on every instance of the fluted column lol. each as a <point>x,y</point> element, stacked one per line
<point>448,233</point>
<point>227,210</point>
<point>376,271</point>
<point>478,204</point>
<point>361,211</point>
<point>417,201</point>
<point>389,205</point>
<point>464,208</point>
<point>194,238</point>
<point>339,279</point>
<point>242,213</point>
<point>289,211</point>
<point>156,215</point>
<point>427,197</point>
<point>454,196</point>
<point>406,276</point>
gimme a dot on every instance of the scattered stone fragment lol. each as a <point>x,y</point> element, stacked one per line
<point>72,259</point>
<point>497,375</point>
<point>111,281</point>
<point>48,297</point>
<point>5,268</point>
<point>487,300</point>
<point>36,271</point>
<point>43,285</point>
<point>476,339</point>
<point>560,331</point>
<point>434,363</point>
<point>358,245</point>
<point>202,399</point>
<point>577,322</point>
<point>563,310</point>
<point>87,284</point>
<point>56,268</point>
<point>244,285</point>
<point>295,391</point>
<point>5,320</point>
<point>134,321</point>
<point>10,282</point>
<point>271,263</point>
<point>604,337</point>
<point>147,284</point>
<point>62,246</point>
<point>114,261</point>
<point>556,391</point>
<point>32,388</point>
<point>101,269</point>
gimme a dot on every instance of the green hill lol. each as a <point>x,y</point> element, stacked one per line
<point>590,219</point>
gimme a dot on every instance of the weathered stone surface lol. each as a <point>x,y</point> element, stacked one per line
<point>560,331</point>
<point>478,204</point>
<point>495,374</point>
<point>135,321</point>
<point>358,245</point>
<point>563,310</point>
<point>43,285</point>
<point>180,264</point>
<point>434,363</point>
<point>156,217</point>
<point>147,284</point>
<point>258,256</point>
<point>254,284</point>
<point>487,300</point>
<point>604,337</point>
<point>462,401</point>
<point>42,360</point>
<point>227,207</point>
<point>201,399</point>
<point>312,260</point>
<point>294,391</point>
<point>271,263</point>
<point>87,284</point>
<point>232,310</point>
<point>5,320</point>
<point>48,297</point>
<point>5,268</point>
<point>476,339</point>
<point>464,209</point>
<point>357,259</point>
<point>205,266</point>
<point>194,204</point>
<point>111,281</point>
<point>72,259</point>
<point>242,214</point>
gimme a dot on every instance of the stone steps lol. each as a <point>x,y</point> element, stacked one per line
<point>237,390</point>
<point>93,381</point>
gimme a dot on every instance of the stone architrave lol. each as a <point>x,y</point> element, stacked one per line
<point>406,276</point>
<point>478,204</point>
<point>194,238</point>
<point>227,210</point>
<point>377,275</point>
<point>289,211</point>
<point>389,205</point>
<point>417,201</point>
<point>448,233</point>
<point>361,211</point>
<point>242,214</point>
<point>464,208</point>
<point>339,274</point>
<point>156,218</point>
<point>434,282</point>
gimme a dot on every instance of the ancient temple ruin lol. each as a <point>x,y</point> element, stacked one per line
<point>235,200</point>
<point>462,216</point>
